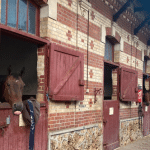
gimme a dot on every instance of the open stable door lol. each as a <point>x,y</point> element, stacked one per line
<point>128,85</point>
<point>111,106</point>
<point>66,74</point>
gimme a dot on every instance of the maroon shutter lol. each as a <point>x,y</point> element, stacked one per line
<point>128,85</point>
<point>66,82</point>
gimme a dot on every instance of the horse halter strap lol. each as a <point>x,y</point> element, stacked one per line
<point>32,127</point>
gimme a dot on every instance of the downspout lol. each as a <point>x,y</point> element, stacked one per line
<point>87,48</point>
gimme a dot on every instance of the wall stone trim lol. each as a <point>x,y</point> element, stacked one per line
<point>129,131</point>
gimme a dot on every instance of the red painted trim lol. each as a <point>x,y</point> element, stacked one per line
<point>24,35</point>
<point>37,16</point>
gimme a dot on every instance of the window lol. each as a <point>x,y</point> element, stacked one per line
<point>20,14</point>
<point>109,52</point>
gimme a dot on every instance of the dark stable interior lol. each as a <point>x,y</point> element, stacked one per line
<point>19,54</point>
<point>107,82</point>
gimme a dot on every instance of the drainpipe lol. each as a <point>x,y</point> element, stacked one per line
<point>87,48</point>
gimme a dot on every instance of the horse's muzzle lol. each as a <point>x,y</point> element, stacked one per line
<point>17,108</point>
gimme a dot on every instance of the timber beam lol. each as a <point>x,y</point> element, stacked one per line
<point>136,30</point>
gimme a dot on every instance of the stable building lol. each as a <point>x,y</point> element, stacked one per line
<point>87,63</point>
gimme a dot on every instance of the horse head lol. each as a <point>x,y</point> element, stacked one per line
<point>12,91</point>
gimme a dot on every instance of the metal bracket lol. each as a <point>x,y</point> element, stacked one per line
<point>96,92</point>
<point>47,97</point>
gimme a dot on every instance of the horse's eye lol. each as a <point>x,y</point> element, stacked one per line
<point>8,84</point>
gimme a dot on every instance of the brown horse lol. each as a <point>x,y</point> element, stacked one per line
<point>12,91</point>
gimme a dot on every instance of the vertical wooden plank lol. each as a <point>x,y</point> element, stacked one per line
<point>44,132</point>
<point>1,137</point>
<point>27,136</point>
<point>6,134</point>
<point>22,138</point>
<point>38,133</point>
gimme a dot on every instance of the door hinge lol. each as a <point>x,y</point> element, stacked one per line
<point>47,95</point>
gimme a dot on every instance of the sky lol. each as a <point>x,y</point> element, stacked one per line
<point>145,5</point>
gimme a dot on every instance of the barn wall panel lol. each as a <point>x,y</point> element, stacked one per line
<point>17,138</point>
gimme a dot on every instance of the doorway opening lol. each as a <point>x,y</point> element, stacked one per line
<point>19,53</point>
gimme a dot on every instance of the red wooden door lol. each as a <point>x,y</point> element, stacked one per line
<point>111,113</point>
<point>111,124</point>
<point>128,85</point>
<point>66,80</point>
<point>17,138</point>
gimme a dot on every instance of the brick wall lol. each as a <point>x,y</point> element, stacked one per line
<point>59,121</point>
<point>41,73</point>
<point>70,30</point>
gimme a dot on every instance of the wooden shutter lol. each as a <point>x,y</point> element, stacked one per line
<point>128,85</point>
<point>66,81</point>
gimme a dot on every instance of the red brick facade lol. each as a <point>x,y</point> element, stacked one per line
<point>59,121</point>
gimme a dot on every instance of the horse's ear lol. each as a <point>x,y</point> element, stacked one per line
<point>9,70</point>
<point>22,71</point>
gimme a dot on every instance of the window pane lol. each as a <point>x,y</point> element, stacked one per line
<point>108,51</point>
<point>3,11</point>
<point>31,18</point>
<point>12,13</point>
<point>22,15</point>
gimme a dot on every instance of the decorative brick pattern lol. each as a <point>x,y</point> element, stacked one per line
<point>69,18</point>
<point>69,2</point>
<point>92,44</point>
<point>90,102</point>
<point>91,73</point>
<point>69,35</point>
<point>92,15</point>
<point>127,59</point>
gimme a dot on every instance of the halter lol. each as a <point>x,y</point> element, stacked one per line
<point>32,127</point>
